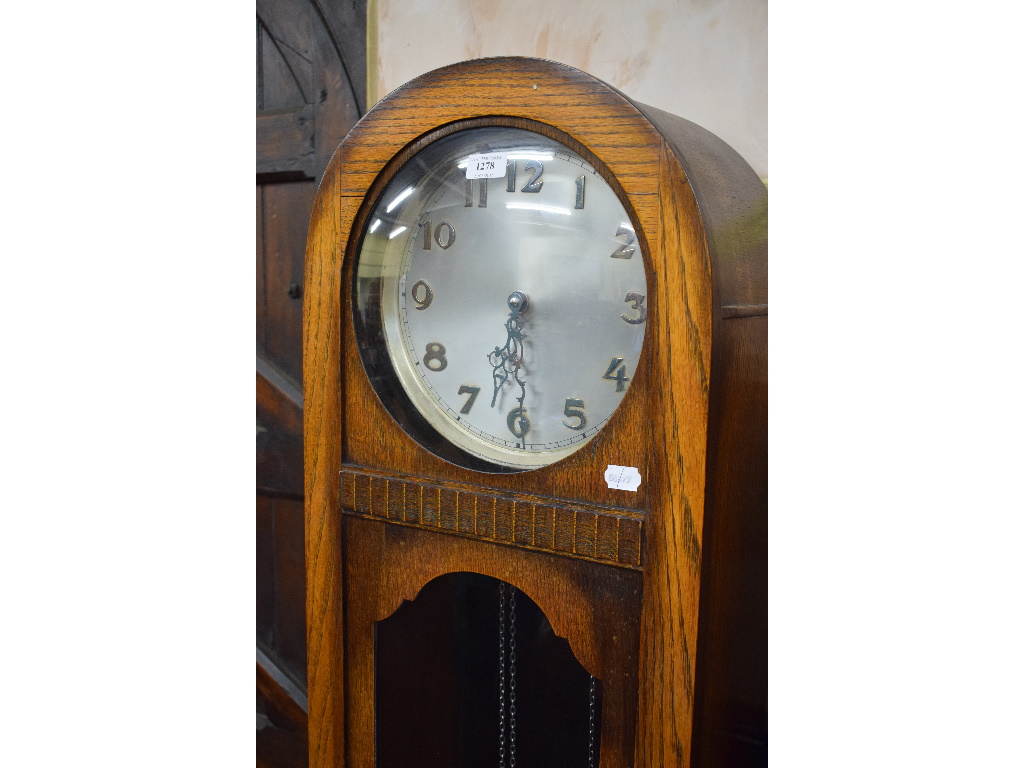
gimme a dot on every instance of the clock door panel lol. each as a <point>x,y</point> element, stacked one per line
<point>471,670</point>
<point>575,619</point>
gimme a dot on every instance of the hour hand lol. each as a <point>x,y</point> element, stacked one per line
<point>506,361</point>
<point>500,374</point>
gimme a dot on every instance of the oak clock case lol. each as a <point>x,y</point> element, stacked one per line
<point>478,352</point>
<point>502,275</point>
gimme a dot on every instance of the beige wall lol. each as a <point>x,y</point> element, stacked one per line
<point>705,60</point>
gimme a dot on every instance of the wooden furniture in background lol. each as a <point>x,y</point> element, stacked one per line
<point>310,73</point>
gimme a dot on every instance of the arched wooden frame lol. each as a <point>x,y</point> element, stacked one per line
<point>701,214</point>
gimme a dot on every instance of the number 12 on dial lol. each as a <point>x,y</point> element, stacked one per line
<point>527,290</point>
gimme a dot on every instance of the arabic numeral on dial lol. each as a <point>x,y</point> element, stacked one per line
<point>472,392</point>
<point>469,193</point>
<point>533,185</point>
<point>518,423</point>
<point>445,227</point>
<point>573,411</point>
<point>626,250</point>
<point>538,168</point>
<point>638,304</point>
<point>620,376</point>
<point>435,359</point>
<point>421,294</point>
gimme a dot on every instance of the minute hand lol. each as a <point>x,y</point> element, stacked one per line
<point>506,361</point>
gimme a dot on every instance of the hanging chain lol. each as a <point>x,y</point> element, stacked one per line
<point>590,747</point>
<point>512,678</point>
<point>501,675</point>
<point>510,695</point>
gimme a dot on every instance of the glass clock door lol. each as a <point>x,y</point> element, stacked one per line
<point>471,674</point>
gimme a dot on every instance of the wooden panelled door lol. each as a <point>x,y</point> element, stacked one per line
<point>310,90</point>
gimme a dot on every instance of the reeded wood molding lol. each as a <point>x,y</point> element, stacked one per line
<point>607,536</point>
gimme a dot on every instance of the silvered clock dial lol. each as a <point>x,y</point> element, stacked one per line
<point>501,298</point>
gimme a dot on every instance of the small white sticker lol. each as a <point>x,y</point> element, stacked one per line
<point>490,166</point>
<point>623,478</point>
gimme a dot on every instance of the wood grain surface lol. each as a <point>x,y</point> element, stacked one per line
<point>608,536</point>
<point>701,218</point>
<point>590,605</point>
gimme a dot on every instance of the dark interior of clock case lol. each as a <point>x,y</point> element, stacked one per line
<point>454,665</point>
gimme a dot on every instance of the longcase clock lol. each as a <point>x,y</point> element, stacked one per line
<point>535,360</point>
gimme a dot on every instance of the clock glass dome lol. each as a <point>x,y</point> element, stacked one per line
<point>500,298</point>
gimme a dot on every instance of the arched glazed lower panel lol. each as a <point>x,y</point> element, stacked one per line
<point>470,673</point>
<point>436,671</point>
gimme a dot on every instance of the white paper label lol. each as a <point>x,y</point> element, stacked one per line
<point>490,166</point>
<point>622,478</point>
